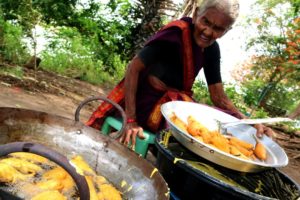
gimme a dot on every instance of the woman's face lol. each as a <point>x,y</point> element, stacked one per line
<point>210,26</point>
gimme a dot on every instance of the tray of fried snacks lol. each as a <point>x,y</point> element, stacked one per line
<point>196,127</point>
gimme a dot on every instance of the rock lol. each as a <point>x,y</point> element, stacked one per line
<point>43,84</point>
<point>5,84</point>
<point>33,63</point>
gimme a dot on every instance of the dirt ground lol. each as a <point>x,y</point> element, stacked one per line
<point>59,95</point>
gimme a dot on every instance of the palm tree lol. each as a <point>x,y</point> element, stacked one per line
<point>152,13</point>
<point>188,8</point>
<point>155,13</point>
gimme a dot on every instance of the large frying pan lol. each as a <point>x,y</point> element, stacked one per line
<point>131,174</point>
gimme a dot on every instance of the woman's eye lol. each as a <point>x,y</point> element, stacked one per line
<point>219,29</point>
<point>206,22</point>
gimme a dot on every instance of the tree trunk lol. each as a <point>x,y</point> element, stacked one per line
<point>189,8</point>
<point>153,13</point>
<point>296,113</point>
<point>33,63</point>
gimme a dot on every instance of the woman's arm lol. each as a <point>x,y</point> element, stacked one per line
<point>132,129</point>
<point>220,100</point>
<point>131,81</point>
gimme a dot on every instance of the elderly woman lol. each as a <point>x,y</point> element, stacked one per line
<point>165,69</point>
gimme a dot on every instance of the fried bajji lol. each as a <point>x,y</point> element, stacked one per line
<point>195,128</point>
<point>246,151</point>
<point>235,151</point>
<point>98,186</point>
<point>215,139</point>
<point>236,141</point>
<point>55,173</point>
<point>68,184</point>
<point>23,166</point>
<point>59,176</point>
<point>220,142</point>
<point>30,157</point>
<point>81,166</point>
<point>199,138</point>
<point>49,195</point>
<point>260,150</point>
<point>178,122</point>
<point>10,174</point>
<point>92,189</point>
<point>52,184</point>
<point>108,192</point>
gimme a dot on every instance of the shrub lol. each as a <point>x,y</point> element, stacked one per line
<point>71,54</point>
<point>12,48</point>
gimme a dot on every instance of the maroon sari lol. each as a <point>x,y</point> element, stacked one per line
<point>148,99</point>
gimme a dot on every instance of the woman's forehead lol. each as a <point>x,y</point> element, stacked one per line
<point>217,17</point>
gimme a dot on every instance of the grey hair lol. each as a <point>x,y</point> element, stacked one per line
<point>229,7</point>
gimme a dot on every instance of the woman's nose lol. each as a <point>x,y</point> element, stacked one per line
<point>208,31</point>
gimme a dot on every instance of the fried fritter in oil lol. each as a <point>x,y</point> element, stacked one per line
<point>81,166</point>
<point>108,192</point>
<point>49,195</point>
<point>23,166</point>
<point>64,182</point>
<point>9,174</point>
<point>30,156</point>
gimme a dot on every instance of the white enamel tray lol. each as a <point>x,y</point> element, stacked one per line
<point>276,156</point>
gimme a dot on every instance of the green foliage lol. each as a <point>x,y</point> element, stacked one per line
<point>283,98</point>
<point>12,48</point>
<point>22,12</point>
<point>95,36</point>
<point>259,113</point>
<point>56,12</point>
<point>85,36</point>
<point>236,97</point>
<point>14,71</point>
<point>26,12</point>
<point>239,98</point>
<point>251,91</point>
<point>273,80</point>
<point>201,93</point>
<point>70,53</point>
<point>293,126</point>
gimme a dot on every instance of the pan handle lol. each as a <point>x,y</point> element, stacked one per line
<point>117,106</point>
<point>52,155</point>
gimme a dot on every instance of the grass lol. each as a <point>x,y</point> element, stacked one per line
<point>12,70</point>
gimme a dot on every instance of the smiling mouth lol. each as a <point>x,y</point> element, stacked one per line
<point>204,38</point>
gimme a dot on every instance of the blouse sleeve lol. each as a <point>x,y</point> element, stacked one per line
<point>212,59</point>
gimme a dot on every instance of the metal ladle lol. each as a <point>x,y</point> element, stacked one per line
<point>222,126</point>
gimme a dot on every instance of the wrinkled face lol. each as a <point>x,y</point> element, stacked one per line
<point>210,26</point>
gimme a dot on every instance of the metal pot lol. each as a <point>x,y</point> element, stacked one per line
<point>129,173</point>
<point>192,177</point>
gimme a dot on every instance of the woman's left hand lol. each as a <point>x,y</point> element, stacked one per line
<point>132,130</point>
<point>262,129</point>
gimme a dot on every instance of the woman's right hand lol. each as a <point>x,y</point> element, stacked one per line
<point>131,131</point>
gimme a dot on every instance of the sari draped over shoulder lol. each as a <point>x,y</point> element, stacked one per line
<point>149,100</point>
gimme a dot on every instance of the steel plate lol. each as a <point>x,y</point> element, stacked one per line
<point>276,156</point>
